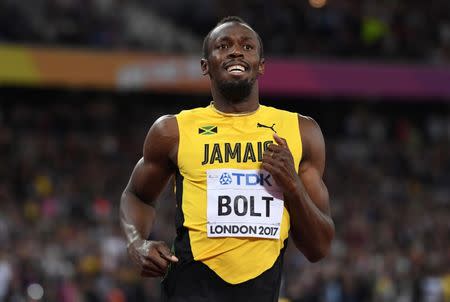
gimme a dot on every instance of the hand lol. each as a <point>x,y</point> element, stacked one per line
<point>152,257</point>
<point>279,162</point>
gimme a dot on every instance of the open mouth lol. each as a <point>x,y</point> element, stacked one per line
<point>236,68</point>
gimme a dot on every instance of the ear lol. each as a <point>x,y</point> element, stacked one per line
<point>204,65</point>
<point>261,67</point>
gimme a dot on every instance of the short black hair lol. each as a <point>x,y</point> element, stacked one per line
<point>226,20</point>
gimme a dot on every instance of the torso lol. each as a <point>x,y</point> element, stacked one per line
<point>232,211</point>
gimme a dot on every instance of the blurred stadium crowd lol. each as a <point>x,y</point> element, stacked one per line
<point>66,154</point>
<point>392,30</point>
<point>66,157</point>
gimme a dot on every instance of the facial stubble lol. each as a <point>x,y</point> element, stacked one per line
<point>236,91</point>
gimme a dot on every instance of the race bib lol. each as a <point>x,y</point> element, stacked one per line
<point>243,203</point>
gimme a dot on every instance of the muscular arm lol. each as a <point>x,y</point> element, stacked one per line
<point>306,195</point>
<point>147,180</point>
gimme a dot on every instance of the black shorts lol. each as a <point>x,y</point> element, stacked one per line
<point>193,281</point>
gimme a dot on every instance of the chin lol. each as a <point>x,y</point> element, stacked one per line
<point>240,79</point>
<point>236,90</point>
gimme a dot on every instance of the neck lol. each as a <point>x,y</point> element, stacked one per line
<point>248,104</point>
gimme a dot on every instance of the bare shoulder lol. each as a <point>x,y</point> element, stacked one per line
<point>309,130</point>
<point>162,138</point>
<point>308,124</point>
<point>166,123</point>
<point>312,141</point>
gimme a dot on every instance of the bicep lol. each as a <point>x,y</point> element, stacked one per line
<point>312,165</point>
<point>148,179</point>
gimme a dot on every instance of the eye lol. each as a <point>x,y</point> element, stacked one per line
<point>222,46</point>
<point>248,47</point>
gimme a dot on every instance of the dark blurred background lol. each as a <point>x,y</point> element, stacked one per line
<point>71,131</point>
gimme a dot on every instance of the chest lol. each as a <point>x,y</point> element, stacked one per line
<point>239,143</point>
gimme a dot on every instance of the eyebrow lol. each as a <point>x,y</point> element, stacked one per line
<point>225,38</point>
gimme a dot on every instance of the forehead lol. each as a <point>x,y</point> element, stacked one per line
<point>232,29</point>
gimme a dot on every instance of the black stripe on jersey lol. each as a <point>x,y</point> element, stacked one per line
<point>182,242</point>
<point>193,281</point>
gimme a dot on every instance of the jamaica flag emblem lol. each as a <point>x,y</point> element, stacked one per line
<point>207,130</point>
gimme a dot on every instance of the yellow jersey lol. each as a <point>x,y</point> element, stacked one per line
<point>231,214</point>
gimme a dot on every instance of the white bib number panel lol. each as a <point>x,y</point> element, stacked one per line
<point>243,203</point>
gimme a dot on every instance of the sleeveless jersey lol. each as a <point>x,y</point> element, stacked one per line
<point>231,214</point>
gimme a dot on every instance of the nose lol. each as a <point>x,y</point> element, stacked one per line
<point>235,52</point>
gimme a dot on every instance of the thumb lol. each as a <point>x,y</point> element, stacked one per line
<point>166,253</point>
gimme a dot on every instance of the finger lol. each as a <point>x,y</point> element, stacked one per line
<point>267,166</point>
<point>280,141</point>
<point>271,159</point>
<point>268,158</point>
<point>149,266</point>
<point>272,169</point>
<point>166,253</point>
<point>275,158</point>
<point>278,155</point>
<point>171,257</point>
<point>157,260</point>
<point>275,148</point>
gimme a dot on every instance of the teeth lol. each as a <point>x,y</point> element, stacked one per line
<point>236,68</point>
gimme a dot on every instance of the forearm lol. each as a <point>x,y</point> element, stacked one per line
<point>136,217</point>
<point>312,229</point>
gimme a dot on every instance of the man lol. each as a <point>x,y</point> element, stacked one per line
<point>246,174</point>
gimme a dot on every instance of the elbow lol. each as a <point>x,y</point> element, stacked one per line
<point>324,248</point>
<point>318,249</point>
<point>318,254</point>
<point>314,253</point>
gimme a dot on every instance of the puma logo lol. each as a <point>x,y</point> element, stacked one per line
<point>259,125</point>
